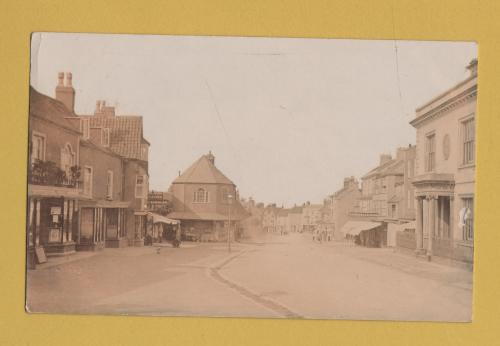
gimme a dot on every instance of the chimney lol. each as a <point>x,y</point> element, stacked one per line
<point>385,158</point>
<point>65,92</point>
<point>211,157</point>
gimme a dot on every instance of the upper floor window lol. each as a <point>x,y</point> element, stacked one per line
<point>468,141</point>
<point>430,153</point>
<point>37,147</point>
<point>109,185</point>
<point>85,127</point>
<point>140,186</point>
<point>105,137</point>
<point>87,181</point>
<point>68,158</point>
<point>200,196</point>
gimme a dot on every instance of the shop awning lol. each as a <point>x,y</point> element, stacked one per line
<point>356,227</point>
<point>157,218</point>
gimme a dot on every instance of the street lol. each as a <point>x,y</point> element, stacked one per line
<point>272,276</point>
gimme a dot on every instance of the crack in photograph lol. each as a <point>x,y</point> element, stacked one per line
<point>251,177</point>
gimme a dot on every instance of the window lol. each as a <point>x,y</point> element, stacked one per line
<point>37,147</point>
<point>67,159</point>
<point>468,218</point>
<point>140,189</point>
<point>105,137</point>
<point>109,185</point>
<point>430,153</point>
<point>468,138</point>
<point>87,181</point>
<point>85,128</point>
<point>200,196</point>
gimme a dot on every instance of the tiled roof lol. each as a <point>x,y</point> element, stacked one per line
<point>202,171</point>
<point>126,135</point>
<point>50,109</point>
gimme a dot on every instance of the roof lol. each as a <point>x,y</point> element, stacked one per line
<point>391,167</point>
<point>202,171</point>
<point>126,135</point>
<point>356,227</point>
<point>52,110</point>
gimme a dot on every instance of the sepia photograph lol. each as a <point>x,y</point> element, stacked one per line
<point>251,177</point>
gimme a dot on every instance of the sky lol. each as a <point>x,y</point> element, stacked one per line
<point>287,119</point>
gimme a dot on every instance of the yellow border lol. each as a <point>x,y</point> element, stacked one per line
<point>402,19</point>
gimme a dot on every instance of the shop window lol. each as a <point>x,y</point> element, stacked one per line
<point>467,218</point>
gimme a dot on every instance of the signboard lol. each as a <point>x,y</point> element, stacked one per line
<point>55,211</point>
<point>40,255</point>
<point>54,235</point>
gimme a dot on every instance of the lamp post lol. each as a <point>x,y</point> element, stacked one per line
<point>229,199</point>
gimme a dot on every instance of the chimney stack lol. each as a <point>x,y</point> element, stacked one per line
<point>65,92</point>
<point>472,67</point>
<point>211,158</point>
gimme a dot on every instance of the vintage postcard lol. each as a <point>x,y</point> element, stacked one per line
<point>251,177</point>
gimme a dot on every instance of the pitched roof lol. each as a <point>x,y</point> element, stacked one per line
<point>50,109</point>
<point>126,135</point>
<point>202,171</point>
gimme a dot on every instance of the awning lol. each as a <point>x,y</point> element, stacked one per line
<point>356,227</point>
<point>157,218</point>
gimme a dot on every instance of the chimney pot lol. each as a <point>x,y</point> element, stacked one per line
<point>60,79</point>
<point>69,78</point>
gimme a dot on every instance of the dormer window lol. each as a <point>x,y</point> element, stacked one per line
<point>105,137</point>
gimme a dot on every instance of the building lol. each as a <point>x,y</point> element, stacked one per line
<point>341,203</point>
<point>206,202</point>
<point>311,216</point>
<point>282,223</point>
<point>445,175</point>
<point>270,218</point>
<point>86,178</point>
<point>252,225</point>
<point>160,202</point>
<point>123,135</point>
<point>54,187</point>
<point>295,219</point>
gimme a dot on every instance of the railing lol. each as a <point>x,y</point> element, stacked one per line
<point>47,173</point>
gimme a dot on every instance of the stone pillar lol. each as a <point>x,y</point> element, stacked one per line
<point>31,235</point>
<point>432,224</point>
<point>71,208</point>
<point>441,217</point>
<point>419,232</point>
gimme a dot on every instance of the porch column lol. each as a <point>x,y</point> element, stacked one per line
<point>37,223</point>
<point>64,235</point>
<point>31,235</point>
<point>419,232</point>
<point>432,224</point>
<point>441,217</point>
<point>70,220</point>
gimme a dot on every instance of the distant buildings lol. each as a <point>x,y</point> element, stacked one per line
<point>206,202</point>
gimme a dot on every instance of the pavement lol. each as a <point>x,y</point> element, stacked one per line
<point>271,276</point>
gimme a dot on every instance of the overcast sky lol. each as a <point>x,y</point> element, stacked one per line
<point>287,119</point>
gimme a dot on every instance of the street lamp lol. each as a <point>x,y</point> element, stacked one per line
<point>229,200</point>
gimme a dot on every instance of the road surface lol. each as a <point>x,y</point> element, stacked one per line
<point>275,276</point>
